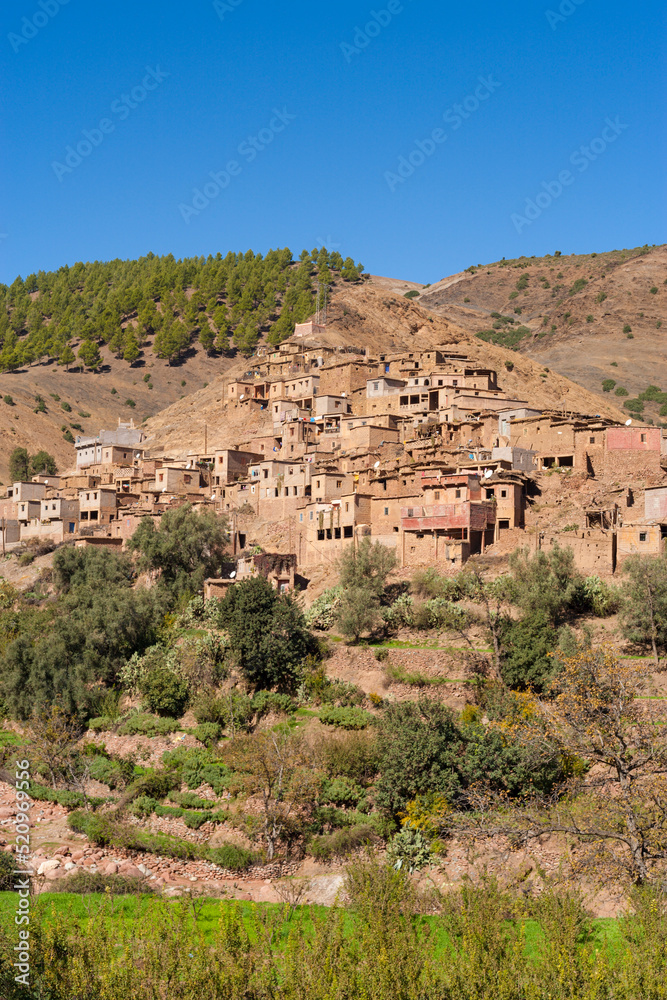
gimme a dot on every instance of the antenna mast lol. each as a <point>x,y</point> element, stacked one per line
<point>322,302</point>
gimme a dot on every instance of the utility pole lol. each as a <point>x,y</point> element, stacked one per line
<point>3,536</point>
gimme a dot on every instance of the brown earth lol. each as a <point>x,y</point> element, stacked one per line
<point>583,351</point>
<point>382,321</point>
<point>90,392</point>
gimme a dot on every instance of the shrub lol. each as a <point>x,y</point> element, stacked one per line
<point>144,724</point>
<point>143,806</point>
<point>601,296</point>
<point>634,405</point>
<point>627,328</point>
<point>197,766</point>
<point>342,791</point>
<point>590,319</point>
<point>400,613</point>
<point>231,857</point>
<point>413,294</point>
<point>232,710</point>
<point>602,599</point>
<point>322,613</point>
<point>408,850</point>
<point>342,842</point>
<point>345,718</point>
<point>101,724</point>
<point>264,702</point>
<point>7,873</point>
<point>66,407</point>
<point>653,290</point>
<point>188,800</point>
<point>9,401</point>
<point>439,613</point>
<point>620,391</point>
<point>165,693</point>
<point>578,286</point>
<point>84,882</point>
<point>608,384</point>
<point>207,733</point>
<point>319,688</point>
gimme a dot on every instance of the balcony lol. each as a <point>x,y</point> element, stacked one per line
<point>476,516</point>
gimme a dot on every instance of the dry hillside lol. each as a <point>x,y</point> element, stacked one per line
<point>90,393</point>
<point>576,309</point>
<point>382,321</point>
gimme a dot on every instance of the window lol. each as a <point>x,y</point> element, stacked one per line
<point>320,536</point>
<point>386,512</point>
<point>503,493</point>
<point>339,483</point>
<point>347,508</point>
<point>643,438</point>
<point>591,440</point>
<point>642,536</point>
<point>490,494</point>
<point>411,512</point>
<point>395,529</point>
<point>458,494</point>
<point>347,531</point>
<point>376,386</point>
<point>436,495</point>
<point>301,518</point>
<point>336,532</point>
<point>311,515</point>
<point>503,525</point>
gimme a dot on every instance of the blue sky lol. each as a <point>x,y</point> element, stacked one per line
<point>305,113</point>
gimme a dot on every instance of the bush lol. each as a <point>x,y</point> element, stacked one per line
<point>165,692</point>
<point>413,294</point>
<point>634,405</point>
<point>84,882</point>
<point>231,857</point>
<point>440,613</point>
<point>319,688</point>
<point>342,791</point>
<point>408,850</point>
<point>207,733</point>
<point>342,842</point>
<point>144,724</point>
<point>188,800</point>
<point>195,767</point>
<point>620,391</point>
<point>627,328</point>
<point>264,702</point>
<point>101,725</point>
<point>143,806</point>
<point>608,384</point>
<point>345,718</point>
<point>7,874</point>
<point>322,613</point>
<point>232,710</point>
<point>9,401</point>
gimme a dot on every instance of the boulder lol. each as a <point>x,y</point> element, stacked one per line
<point>48,866</point>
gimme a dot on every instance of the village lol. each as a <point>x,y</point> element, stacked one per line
<point>423,452</point>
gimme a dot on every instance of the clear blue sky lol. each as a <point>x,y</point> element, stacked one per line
<point>326,168</point>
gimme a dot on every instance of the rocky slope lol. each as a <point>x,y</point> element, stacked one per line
<point>577,310</point>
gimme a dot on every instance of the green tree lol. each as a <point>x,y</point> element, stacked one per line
<point>43,464</point>
<point>358,612</point>
<point>367,565</point>
<point>66,357</point>
<point>131,351</point>
<point>19,465</point>
<point>165,692</point>
<point>185,549</point>
<point>644,602</point>
<point>206,336</point>
<point>526,647</point>
<point>545,582</point>
<point>418,744</point>
<point>90,354</point>
<point>267,633</point>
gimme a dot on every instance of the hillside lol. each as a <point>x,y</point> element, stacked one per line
<point>152,329</point>
<point>380,320</point>
<point>590,317</point>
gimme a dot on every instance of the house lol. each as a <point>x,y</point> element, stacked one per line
<point>90,450</point>
<point>97,506</point>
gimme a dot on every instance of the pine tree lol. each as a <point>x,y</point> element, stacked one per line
<point>66,357</point>
<point>131,352</point>
<point>90,354</point>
